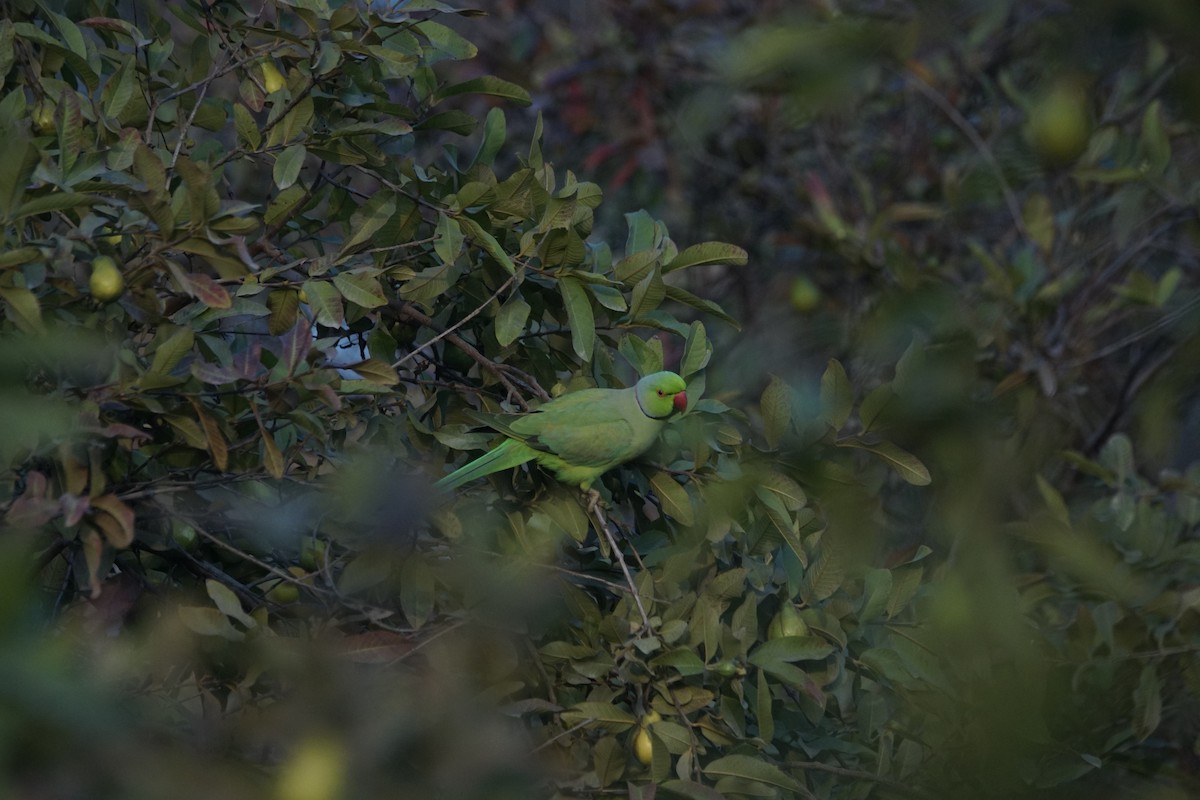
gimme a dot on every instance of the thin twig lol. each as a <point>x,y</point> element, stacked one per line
<point>479,309</point>
<point>602,524</point>
<point>969,131</point>
<point>556,737</point>
<point>903,788</point>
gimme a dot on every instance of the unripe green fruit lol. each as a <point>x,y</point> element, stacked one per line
<point>1059,125</point>
<point>787,623</point>
<point>43,118</point>
<point>805,295</point>
<point>725,668</point>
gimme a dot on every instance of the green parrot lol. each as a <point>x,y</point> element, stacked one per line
<point>580,435</point>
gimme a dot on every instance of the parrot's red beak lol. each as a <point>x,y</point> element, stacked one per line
<point>680,401</point>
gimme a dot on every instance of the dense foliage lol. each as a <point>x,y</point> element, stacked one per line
<point>260,262</point>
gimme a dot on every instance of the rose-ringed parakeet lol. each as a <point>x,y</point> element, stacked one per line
<point>580,435</point>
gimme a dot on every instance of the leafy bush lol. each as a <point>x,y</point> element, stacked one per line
<point>219,462</point>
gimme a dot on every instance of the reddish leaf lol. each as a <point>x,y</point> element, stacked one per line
<point>208,291</point>
<point>217,447</point>
<point>375,647</point>
<point>93,549</point>
<point>295,344</point>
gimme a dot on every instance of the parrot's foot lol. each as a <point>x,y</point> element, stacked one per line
<point>593,503</point>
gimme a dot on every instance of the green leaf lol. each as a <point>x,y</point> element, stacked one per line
<point>905,583</point>
<point>752,769</point>
<point>21,306</point>
<point>690,790</point>
<point>608,760</point>
<point>246,127</point>
<point>708,253</point>
<point>173,346</point>
<point>877,589</point>
<point>874,404</point>
<point>579,317</point>
<point>120,88</point>
<point>696,352</point>
<point>416,591</point>
<point>641,232</point>
<point>837,398</point>
<point>209,622</point>
<point>488,242</point>
<point>488,85</point>
<point>673,497</point>
<point>566,513</point>
<point>647,296</point>
<point>635,267</point>
<point>790,648</point>
<point>286,202</point>
<point>363,572</point>
<point>511,319</point>
<point>906,465</point>
<point>326,303</point>
<point>450,239</point>
<point>361,289</point>
<point>785,489</point>
<point>824,575</point>
<point>683,660</point>
<point>376,371</point>
<point>762,708</point>
<point>368,219</point>
<point>494,134</point>
<point>611,717</point>
<point>1155,145</point>
<point>1147,703</point>
<point>288,164</point>
<point>775,405</point>
<point>645,356</point>
<point>459,122</point>
<point>445,42</point>
<point>1053,501</point>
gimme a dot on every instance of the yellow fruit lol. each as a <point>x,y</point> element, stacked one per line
<point>316,771</point>
<point>1059,125</point>
<point>651,718</point>
<point>283,593</point>
<point>272,78</point>
<point>303,296</point>
<point>643,747</point>
<point>106,283</point>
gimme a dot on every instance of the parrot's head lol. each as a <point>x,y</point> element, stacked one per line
<point>661,394</point>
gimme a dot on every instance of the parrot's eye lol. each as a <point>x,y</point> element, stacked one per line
<point>660,392</point>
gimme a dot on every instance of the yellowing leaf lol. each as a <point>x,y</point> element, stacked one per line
<point>673,497</point>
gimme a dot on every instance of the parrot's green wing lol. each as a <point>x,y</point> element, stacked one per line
<point>586,432</point>
<point>580,435</point>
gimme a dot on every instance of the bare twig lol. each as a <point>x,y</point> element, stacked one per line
<point>602,525</point>
<point>479,309</point>
<point>964,125</point>
<point>859,774</point>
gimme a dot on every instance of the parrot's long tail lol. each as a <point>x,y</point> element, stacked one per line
<point>506,455</point>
